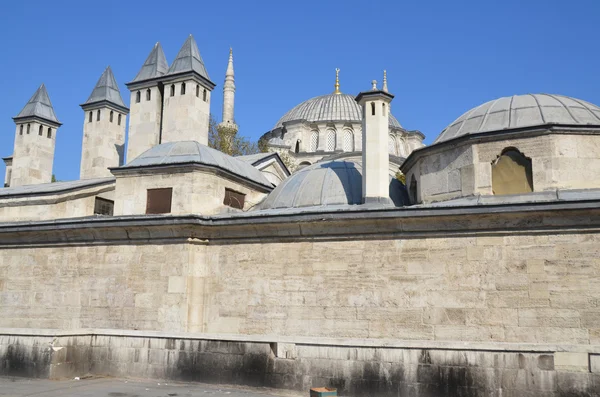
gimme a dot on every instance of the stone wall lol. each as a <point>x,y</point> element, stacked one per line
<point>144,121</point>
<point>33,155</point>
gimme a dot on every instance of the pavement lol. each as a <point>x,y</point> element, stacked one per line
<point>112,387</point>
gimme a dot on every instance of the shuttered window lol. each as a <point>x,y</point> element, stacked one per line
<point>234,199</point>
<point>103,206</point>
<point>159,201</point>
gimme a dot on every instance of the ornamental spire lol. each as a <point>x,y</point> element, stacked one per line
<point>384,89</point>
<point>337,82</point>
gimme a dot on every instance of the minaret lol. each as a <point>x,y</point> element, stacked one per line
<point>375,157</point>
<point>35,141</point>
<point>227,127</point>
<point>145,119</point>
<point>103,128</point>
<point>186,102</point>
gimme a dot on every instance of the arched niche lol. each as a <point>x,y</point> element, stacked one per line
<point>512,173</point>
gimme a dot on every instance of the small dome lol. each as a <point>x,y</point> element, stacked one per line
<point>331,107</point>
<point>522,111</point>
<point>192,152</point>
<point>337,182</point>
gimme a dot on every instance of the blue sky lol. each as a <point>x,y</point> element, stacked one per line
<point>442,57</point>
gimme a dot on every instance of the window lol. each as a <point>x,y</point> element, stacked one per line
<point>373,108</point>
<point>103,206</point>
<point>412,190</point>
<point>21,130</point>
<point>392,145</point>
<point>111,116</point>
<point>330,142</point>
<point>234,199</point>
<point>297,148</point>
<point>204,95</point>
<point>148,94</point>
<point>119,119</point>
<point>40,130</point>
<point>90,118</point>
<point>158,201</point>
<point>348,144</point>
<point>172,89</point>
<point>98,115</point>
<point>49,132</point>
<point>197,91</point>
<point>28,128</point>
<point>137,97</point>
<point>314,141</point>
<point>182,88</point>
<point>512,173</point>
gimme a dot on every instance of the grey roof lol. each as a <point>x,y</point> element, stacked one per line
<point>53,188</point>
<point>329,183</point>
<point>186,152</point>
<point>39,105</point>
<point>106,90</point>
<point>522,111</point>
<point>155,66</point>
<point>254,158</point>
<point>330,107</point>
<point>188,59</point>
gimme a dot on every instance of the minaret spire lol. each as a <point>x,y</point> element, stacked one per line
<point>384,89</point>
<point>337,82</point>
<point>227,128</point>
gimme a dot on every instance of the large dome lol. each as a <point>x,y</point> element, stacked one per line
<point>331,107</point>
<point>337,182</point>
<point>522,111</point>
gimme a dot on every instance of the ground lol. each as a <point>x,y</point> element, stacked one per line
<point>112,387</point>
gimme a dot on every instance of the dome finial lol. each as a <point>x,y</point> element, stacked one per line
<point>337,81</point>
<point>384,89</point>
<point>374,83</point>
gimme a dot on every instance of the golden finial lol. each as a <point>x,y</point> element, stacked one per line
<point>337,82</point>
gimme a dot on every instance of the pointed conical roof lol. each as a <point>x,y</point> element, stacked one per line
<point>39,106</point>
<point>106,90</point>
<point>189,60</point>
<point>155,66</point>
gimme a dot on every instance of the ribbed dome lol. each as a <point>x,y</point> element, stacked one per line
<point>336,182</point>
<point>331,107</point>
<point>522,111</point>
<point>187,152</point>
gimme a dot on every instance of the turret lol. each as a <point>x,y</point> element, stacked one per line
<point>227,127</point>
<point>103,128</point>
<point>145,119</point>
<point>375,178</point>
<point>35,140</point>
<point>186,103</point>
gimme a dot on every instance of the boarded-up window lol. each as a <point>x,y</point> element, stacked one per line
<point>103,206</point>
<point>234,199</point>
<point>511,173</point>
<point>159,201</point>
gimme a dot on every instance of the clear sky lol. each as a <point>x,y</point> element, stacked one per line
<point>442,57</point>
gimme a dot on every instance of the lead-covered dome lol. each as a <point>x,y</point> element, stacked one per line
<point>331,107</point>
<point>337,182</point>
<point>522,111</point>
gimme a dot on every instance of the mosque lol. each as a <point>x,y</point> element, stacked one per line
<point>374,264</point>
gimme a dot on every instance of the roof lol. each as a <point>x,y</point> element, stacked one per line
<point>106,90</point>
<point>52,188</point>
<point>189,60</point>
<point>330,183</point>
<point>330,107</point>
<point>39,106</point>
<point>192,152</point>
<point>263,158</point>
<point>155,65</point>
<point>519,111</point>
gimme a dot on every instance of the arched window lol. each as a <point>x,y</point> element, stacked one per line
<point>21,130</point>
<point>28,128</point>
<point>90,118</point>
<point>314,141</point>
<point>330,142</point>
<point>172,89</point>
<point>148,94</point>
<point>512,173</point>
<point>119,119</point>
<point>348,144</point>
<point>137,97</point>
<point>197,91</point>
<point>49,132</point>
<point>297,149</point>
<point>204,95</point>
<point>373,108</point>
<point>392,145</point>
<point>402,148</point>
<point>182,88</point>
<point>383,109</point>
<point>412,190</point>
<point>111,116</point>
<point>41,130</point>
<point>98,115</point>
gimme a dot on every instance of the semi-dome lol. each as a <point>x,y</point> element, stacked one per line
<point>337,182</point>
<point>331,107</point>
<point>192,152</point>
<point>522,111</point>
